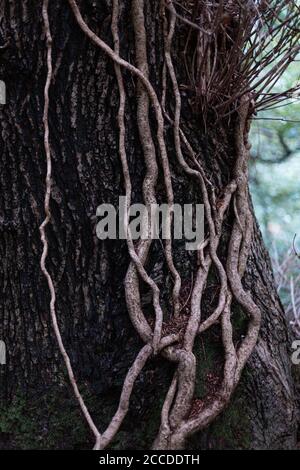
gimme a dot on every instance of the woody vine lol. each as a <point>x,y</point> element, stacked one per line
<point>235,53</point>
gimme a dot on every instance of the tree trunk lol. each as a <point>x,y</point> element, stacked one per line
<point>88,273</point>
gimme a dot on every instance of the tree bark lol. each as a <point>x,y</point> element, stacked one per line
<point>89,273</point>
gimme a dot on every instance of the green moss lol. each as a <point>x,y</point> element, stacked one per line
<point>49,422</point>
<point>231,430</point>
<point>140,436</point>
<point>16,423</point>
<point>239,320</point>
<point>52,420</point>
<point>209,357</point>
<point>151,427</point>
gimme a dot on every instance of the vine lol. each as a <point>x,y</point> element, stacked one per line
<point>229,63</point>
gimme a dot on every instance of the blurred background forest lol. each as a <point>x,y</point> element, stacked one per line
<point>275,173</point>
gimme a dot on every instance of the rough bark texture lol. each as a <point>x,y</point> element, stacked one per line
<point>88,273</point>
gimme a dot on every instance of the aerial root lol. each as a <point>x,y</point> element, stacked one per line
<point>177,421</point>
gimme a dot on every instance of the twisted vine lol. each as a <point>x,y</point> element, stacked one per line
<point>179,417</point>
